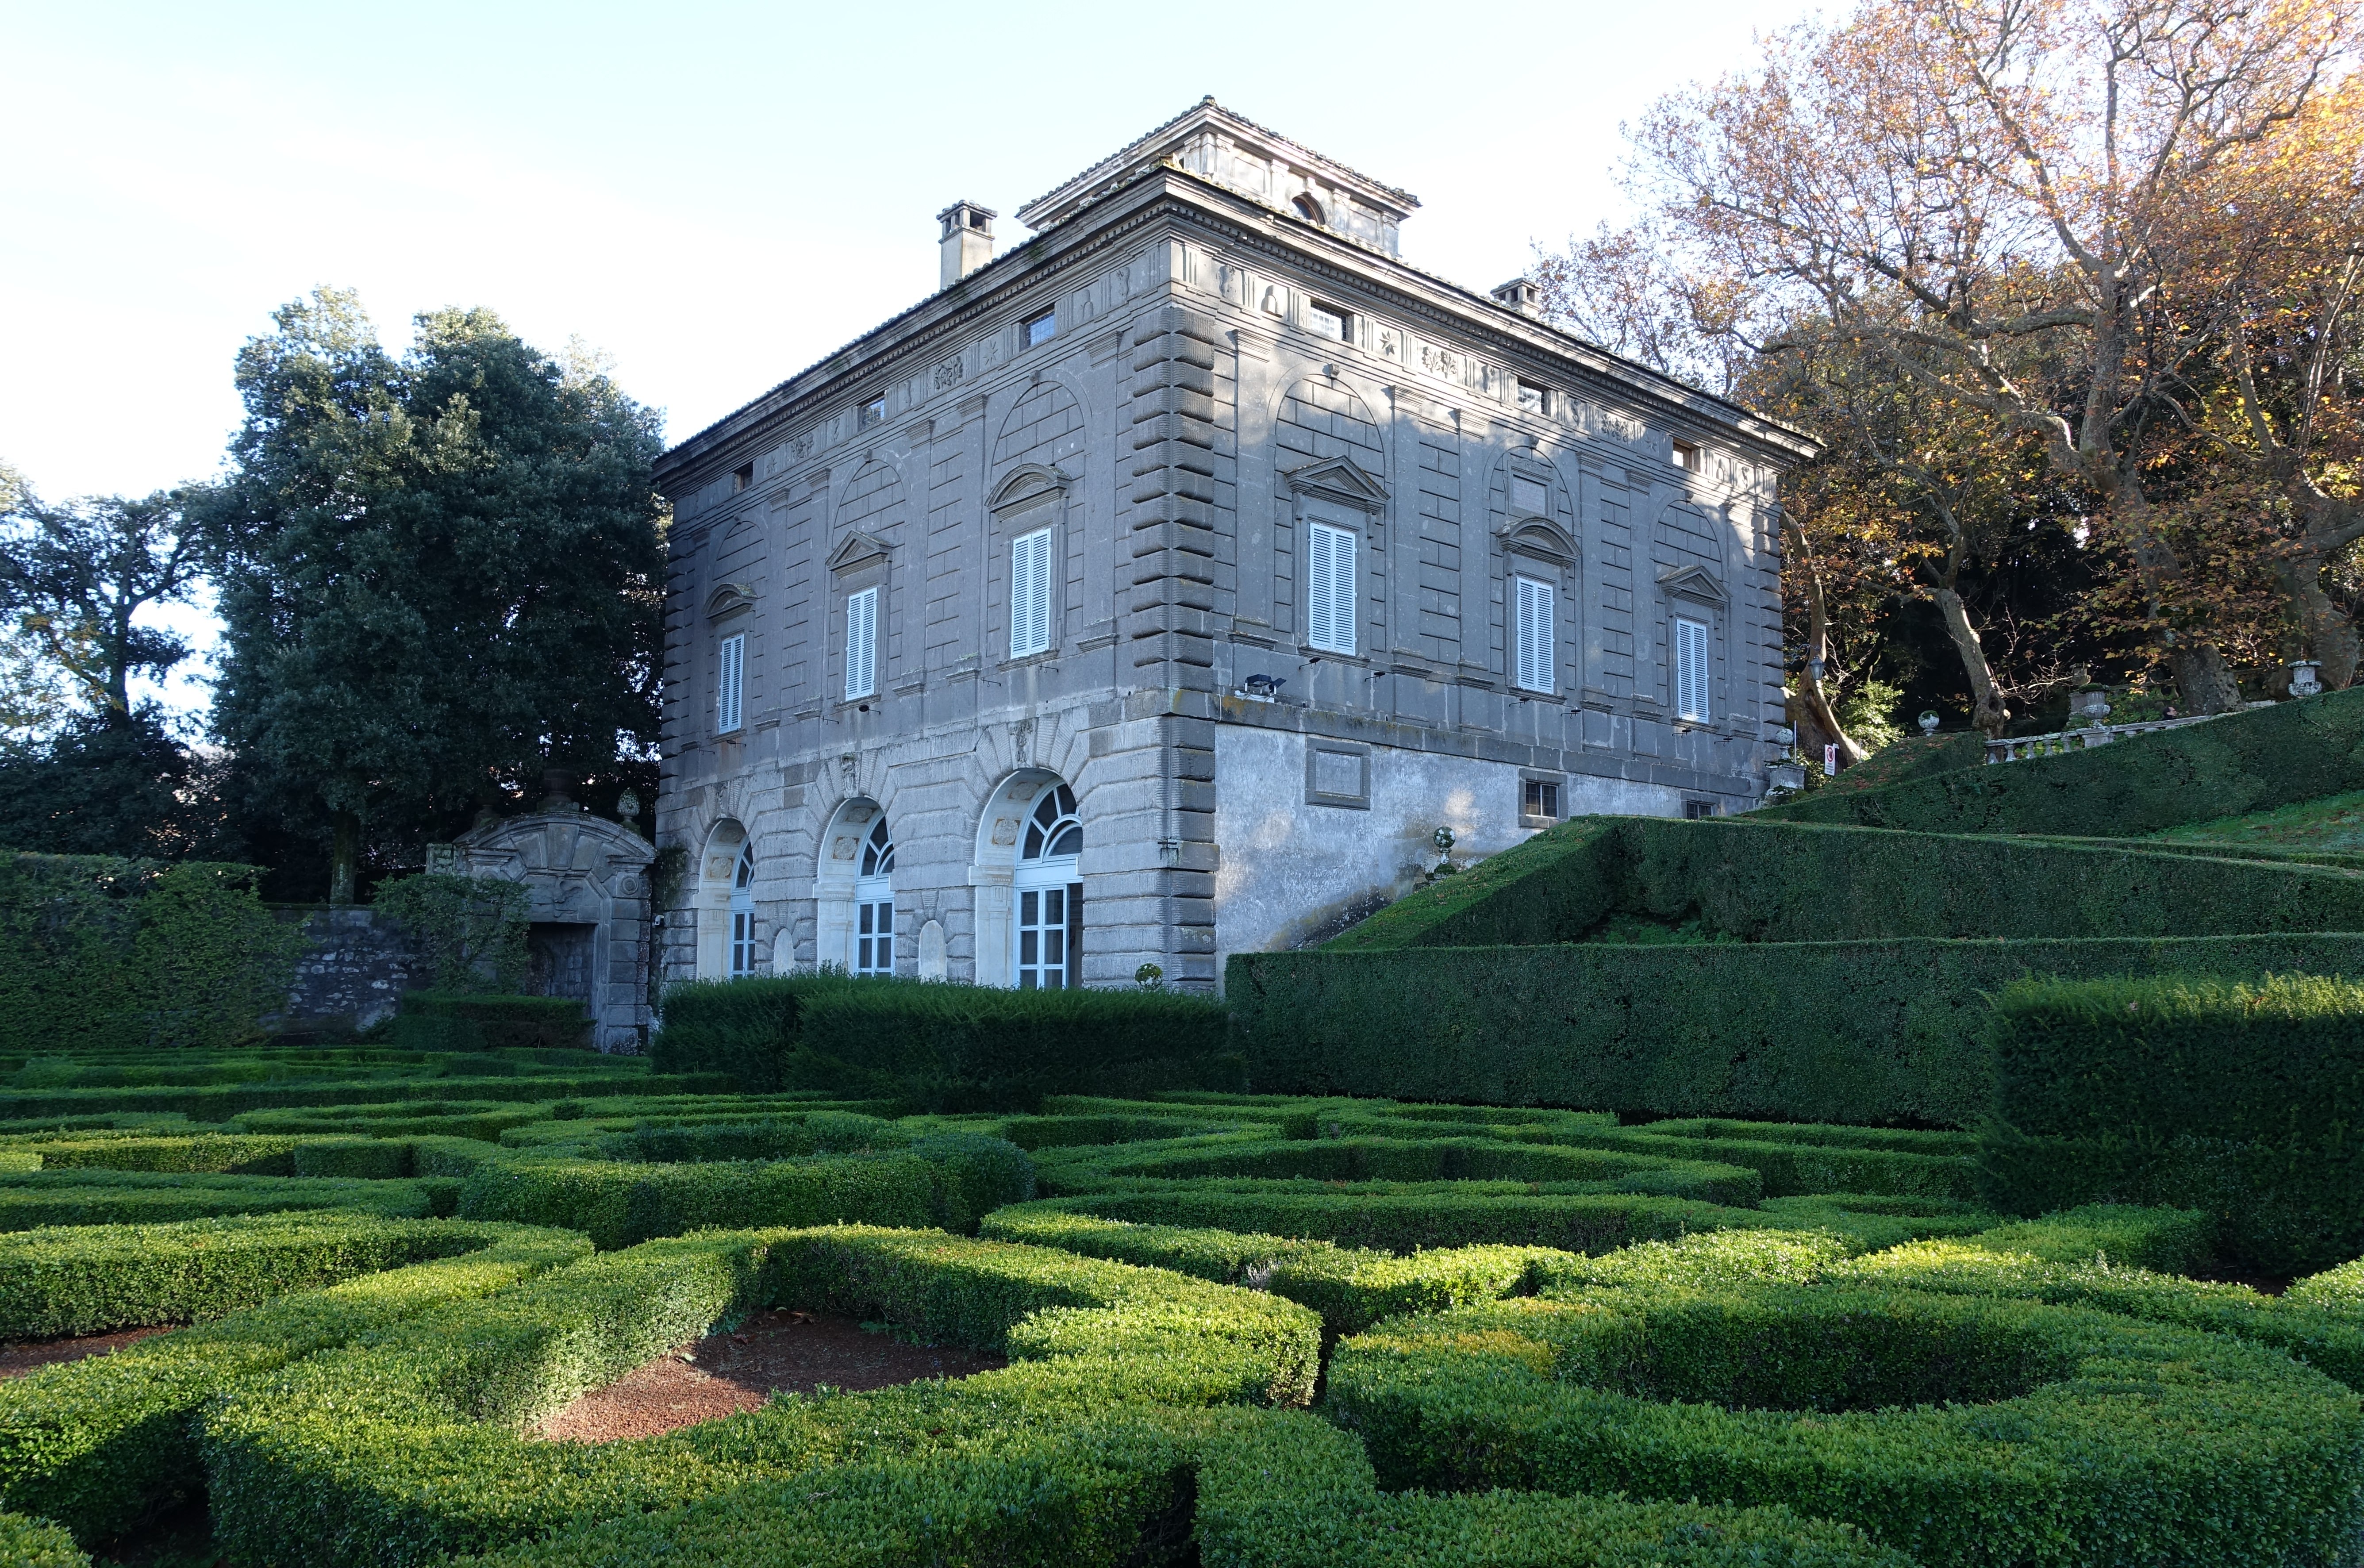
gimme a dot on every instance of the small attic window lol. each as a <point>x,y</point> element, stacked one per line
<point>1328,320</point>
<point>1309,209</point>
<point>1687,455</point>
<point>1041,329</point>
<point>742,477</point>
<point>1532,399</point>
<point>872,412</point>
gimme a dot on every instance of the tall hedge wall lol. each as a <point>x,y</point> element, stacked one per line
<point>2242,762</point>
<point>1859,1031</point>
<point>1789,882</point>
<point>932,1045</point>
<point>2245,1101</point>
<point>99,953</point>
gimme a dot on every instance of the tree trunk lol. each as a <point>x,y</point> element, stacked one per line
<point>1810,693</point>
<point>2201,675</point>
<point>1987,711</point>
<point>2330,637</point>
<point>344,858</point>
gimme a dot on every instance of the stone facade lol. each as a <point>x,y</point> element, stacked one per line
<point>1273,553</point>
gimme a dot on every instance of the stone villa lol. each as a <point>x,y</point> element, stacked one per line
<point>1156,589</point>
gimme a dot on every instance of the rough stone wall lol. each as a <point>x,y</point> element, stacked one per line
<point>355,966</point>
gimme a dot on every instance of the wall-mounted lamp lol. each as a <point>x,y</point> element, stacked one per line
<point>1263,685</point>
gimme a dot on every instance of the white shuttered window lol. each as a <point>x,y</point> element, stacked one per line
<point>1691,669</point>
<point>1329,626</point>
<point>1029,593</point>
<point>731,681</point>
<point>861,643</point>
<point>1538,654</point>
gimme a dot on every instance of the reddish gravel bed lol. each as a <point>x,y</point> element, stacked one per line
<point>725,1374</point>
<point>16,1361</point>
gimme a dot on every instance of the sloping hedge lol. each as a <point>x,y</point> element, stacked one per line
<point>1867,1032</point>
<point>99,953</point>
<point>2245,1101</point>
<point>1757,881</point>
<point>2242,762</point>
<point>936,1046</point>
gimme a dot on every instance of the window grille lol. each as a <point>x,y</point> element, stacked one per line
<point>1331,625</point>
<point>731,681</point>
<point>1538,654</point>
<point>1041,329</point>
<point>861,643</point>
<point>1029,593</point>
<point>1691,669</point>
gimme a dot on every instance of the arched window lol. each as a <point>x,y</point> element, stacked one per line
<point>1308,208</point>
<point>742,914</point>
<point>874,905</point>
<point>1049,893</point>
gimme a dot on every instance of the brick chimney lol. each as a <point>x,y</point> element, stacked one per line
<point>968,241</point>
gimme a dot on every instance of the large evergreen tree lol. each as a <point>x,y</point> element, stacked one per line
<point>85,767</point>
<point>439,575</point>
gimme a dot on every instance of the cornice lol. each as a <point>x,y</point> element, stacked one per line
<point>916,334</point>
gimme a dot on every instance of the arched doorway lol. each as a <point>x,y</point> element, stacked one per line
<point>1047,893</point>
<point>719,896</point>
<point>850,882</point>
<point>874,904</point>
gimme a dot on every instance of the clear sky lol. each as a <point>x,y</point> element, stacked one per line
<point>714,194</point>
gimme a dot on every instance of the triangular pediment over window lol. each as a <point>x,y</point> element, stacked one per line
<point>856,550</point>
<point>1340,479</point>
<point>728,600</point>
<point>1692,583</point>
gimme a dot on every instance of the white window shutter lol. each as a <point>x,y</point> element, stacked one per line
<point>1538,657</point>
<point>1331,579</point>
<point>1691,669</point>
<point>1029,593</point>
<point>730,683</point>
<point>861,643</point>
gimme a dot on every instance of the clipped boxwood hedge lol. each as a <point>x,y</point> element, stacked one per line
<point>890,1177</point>
<point>452,1021</point>
<point>933,1045</point>
<point>411,1448</point>
<point>1959,1430</point>
<point>1865,1032</point>
<point>2242,1100</point>
<point>37,1543</point>
<point>91,1279</point>
<point>99,1444</point>
<point>33,1200</point>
